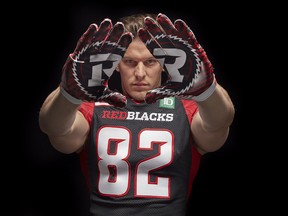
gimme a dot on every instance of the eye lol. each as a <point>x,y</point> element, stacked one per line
<point>151,62</point>
<point>129,62</point>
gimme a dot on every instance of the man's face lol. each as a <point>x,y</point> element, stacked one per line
<point>139,71</point>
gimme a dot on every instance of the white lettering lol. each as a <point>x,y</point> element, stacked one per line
<point>150,117</point>
<point>130,115</point>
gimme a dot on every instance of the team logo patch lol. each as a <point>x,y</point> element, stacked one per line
<point>168,102</point>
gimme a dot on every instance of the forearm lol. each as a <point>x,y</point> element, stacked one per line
<point>217,111</point>
<point>57,114</point>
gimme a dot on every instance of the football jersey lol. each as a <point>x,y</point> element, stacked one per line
<point>140,160</point>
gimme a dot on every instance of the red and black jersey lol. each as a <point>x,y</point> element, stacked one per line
<point>140,160</point>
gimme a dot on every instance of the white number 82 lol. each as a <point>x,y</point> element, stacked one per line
<point>117,160</point>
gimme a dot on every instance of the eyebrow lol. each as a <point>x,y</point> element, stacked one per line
<point>149,58</point>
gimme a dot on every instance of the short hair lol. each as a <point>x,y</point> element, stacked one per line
<point>131,24</point>
<point>135,21</point>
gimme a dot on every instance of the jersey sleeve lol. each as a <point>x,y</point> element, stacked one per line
<point>87,109</point>
<point>191,108</point>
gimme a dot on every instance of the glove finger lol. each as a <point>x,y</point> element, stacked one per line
<point>186,33</point>
<point>158,93</point>
<point>124,42</point>
<point>153,46</point>
<point>107,52</point>
<point>102,33</point>
<point>113,98</point>
<point>117,42</point>
<point>92,39</point>
<point>121,46</point>
<point>86,38</point>
<point>167,25</point>
<point>115,52</point>
<point>147,39</point>
<point>157,33</point>
<point>113,38</point>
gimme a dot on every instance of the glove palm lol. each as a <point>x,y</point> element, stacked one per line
<point>175,46</point>
<point>87,70</point>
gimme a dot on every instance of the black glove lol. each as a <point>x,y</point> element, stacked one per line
<point>175,46</point>
<point>87,70</point>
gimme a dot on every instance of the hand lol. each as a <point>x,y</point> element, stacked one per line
<point>175,46</point>
<point>87,70</point>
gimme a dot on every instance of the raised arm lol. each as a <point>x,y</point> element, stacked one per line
<point>65,126</point>
<point>191,76</point>
<point>85,77</point>
<point>211,123</point>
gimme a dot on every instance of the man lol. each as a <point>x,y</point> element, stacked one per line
<point>140,145</point>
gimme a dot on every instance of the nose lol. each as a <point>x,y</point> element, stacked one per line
<point>140,70</point>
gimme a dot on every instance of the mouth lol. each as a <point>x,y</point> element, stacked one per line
<point>140,86</point>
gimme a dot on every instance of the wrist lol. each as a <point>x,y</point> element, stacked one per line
<point>70,98</point>
<point>207,93</point>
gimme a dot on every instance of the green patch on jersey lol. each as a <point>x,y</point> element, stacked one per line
<point>168,103</point>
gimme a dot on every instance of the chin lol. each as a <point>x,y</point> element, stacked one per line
<point>138,97</point>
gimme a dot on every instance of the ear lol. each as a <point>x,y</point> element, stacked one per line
<point>117,68</point>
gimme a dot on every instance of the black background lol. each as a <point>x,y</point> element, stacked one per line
<point>40,181</point>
